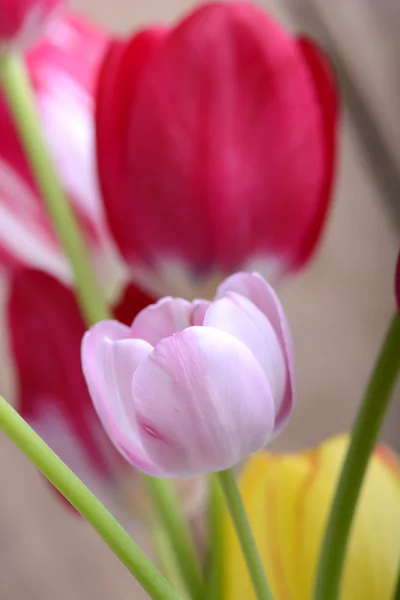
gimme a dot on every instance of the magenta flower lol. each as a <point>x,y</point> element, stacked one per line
<point>193,387</point>
<point>63,67</point>
<point>22,21</point>
<point>221,150</point>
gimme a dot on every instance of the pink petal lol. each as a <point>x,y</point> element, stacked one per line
<point>257,290</point>
<point>63,68</point>
<point>236,315</point>
<point>109,360</point>
<point>161,320</point>
<point>199,311</point>
<point>202,402</point>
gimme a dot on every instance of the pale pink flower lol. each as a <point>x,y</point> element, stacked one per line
<point>193,387</point>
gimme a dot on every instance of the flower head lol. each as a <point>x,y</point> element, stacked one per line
<point>221,150</point>
<point>288,497</point>
<point>63,67</point>
<point>193,387</point>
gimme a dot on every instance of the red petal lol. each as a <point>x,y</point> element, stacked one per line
<point>119,77</point>
<point>325,86</point>
<point>132,301</point>
<point>46,331</point>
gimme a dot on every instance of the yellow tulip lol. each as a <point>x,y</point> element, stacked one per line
<point>287,498</point>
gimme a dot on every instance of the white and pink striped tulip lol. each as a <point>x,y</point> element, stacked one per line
<point>194,387</point>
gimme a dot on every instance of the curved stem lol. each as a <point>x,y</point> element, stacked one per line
<point>19,95</point>
<point>365,433</point>
<point>245,536</point>
<point>164,498</point>
<point>18,91</point>
<point>85,503</point>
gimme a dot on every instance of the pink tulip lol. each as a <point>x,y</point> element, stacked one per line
<point>193,387</point>
<point>45,331</point>
<point>216,144</point>
<point>63,68</point>
<point>22,21</point>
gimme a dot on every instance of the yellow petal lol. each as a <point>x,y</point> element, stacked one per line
<point>288,498</point>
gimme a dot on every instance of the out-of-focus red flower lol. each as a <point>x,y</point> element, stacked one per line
<point>45,330</point>
<point>63,68</point>
<point>22,21</point>
<point>216,143</point>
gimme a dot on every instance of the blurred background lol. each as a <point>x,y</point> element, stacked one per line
<point>338,308</point>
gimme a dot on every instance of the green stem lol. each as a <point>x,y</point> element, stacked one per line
<point>166,559</point>
<point>164,498</point>
<point>215,540</point>
<point>85,503</point>
<point>18,92</point>
<point>365,433</point>
<point>397,592</point>
<point>245,536</point>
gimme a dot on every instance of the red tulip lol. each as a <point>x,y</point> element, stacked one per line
<point>216,143</point>
<point>46,330</point>
<point>63,68</point>
<point>21,21</point>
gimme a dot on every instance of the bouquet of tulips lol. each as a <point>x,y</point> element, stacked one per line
<point>151,190</point>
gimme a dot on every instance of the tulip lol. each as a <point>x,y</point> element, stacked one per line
<point>194,387</point>
<point>220,151</point>
<point>63,68</point>
<point>288,498</point>
<point>22,21</point>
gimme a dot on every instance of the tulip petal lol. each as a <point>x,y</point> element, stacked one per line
<point>202,402</point>
<point>46,330</point>
<point>262,295</point>
<point>329,105</point>
<point>162,319</point>
<point>115,90</point>
<point>109,359</point>
<point>199,311</point>
<point>238,316</point>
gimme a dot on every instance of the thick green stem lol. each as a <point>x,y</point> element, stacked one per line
<point>215,540</point>
<point>365,433</point>
<point>241,523</point>
<point>18,92</point>
<point>164,498</point>
<point>85,503</point>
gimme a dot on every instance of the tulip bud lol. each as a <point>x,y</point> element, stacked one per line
<point>216,143</point>
<point>194,387</point>
<point>288,498</point>
<point>22,21</point>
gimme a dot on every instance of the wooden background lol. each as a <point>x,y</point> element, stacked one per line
<point>338,308</point>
